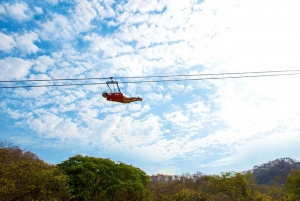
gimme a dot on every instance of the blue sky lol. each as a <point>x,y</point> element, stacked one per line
<point>210,126</point>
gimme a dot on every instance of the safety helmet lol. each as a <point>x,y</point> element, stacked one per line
<point>104,93</point>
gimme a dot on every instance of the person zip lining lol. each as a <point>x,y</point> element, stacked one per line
<point>117,96</point>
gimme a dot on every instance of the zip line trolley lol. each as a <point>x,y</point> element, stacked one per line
<point>113,86</point>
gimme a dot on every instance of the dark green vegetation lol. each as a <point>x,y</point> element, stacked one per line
<point>101,179</point>
<point>23,176</point>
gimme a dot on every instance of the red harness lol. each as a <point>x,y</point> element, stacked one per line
<point>116,97</point>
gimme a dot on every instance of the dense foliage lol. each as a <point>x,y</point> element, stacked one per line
<point>228,186</point>
<point>293,185</point>
<point>23,176</point>
<point>101,179</point>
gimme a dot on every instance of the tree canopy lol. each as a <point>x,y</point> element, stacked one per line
<point>93,178</point>
<point>23,176</point>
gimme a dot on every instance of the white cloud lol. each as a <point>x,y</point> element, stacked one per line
<point>112,23</point>
<point>39,77</point>
<point>143,7</point>
<point>84,14</point>
<point>32,92</point>
<point>14,68</point>
<point>177,118</point>
<point>139,132</point>
<point>16,114</point>
<point>110,47</point>
<point>258,100</point>
<point>19,11</point>
<point>255,38</point>
<point>45,123</point>
<point>143,110</point>
<point>53,2</point>
<point>7,42</point>
<point>56,28</point>
<point>176,88</point>
<point>197,107</point>
<point>154,97</point>
<point>250,153</point>
<point>39,10</point>
<point>43,63</point>
<point>103,11</point>
<point>2,9</point>
<point>26,42</point>
<point>136,137</point>
<point>54,127</point>
<point>79,20</point>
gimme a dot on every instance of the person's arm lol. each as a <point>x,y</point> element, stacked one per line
<point>109,97</point>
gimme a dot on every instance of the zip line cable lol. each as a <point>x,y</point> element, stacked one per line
<point>170,80</point>
<point>150,76</point>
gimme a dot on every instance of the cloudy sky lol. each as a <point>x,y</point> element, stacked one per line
<point>210,126</point>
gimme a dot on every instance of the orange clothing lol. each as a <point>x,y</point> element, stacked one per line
<point>116,97</point>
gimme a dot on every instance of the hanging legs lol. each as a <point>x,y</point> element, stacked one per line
<point>131,99</point>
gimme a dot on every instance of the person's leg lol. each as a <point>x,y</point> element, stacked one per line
<point>131,99</point>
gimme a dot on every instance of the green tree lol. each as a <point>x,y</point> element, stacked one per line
<point>191,195</point>
<point>233,186</point>
<point>174,187</point>
<point>102,179</point>
<point>272,192</point>
<point>292,185</point>
<point>128,183</point>
<point>23,176</point>
<point>163,187</point>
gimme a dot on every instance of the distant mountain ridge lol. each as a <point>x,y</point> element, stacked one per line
<point>274,172</point>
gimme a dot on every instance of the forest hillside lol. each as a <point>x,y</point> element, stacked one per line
<point>274,172</point>
<point>23,176</point>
